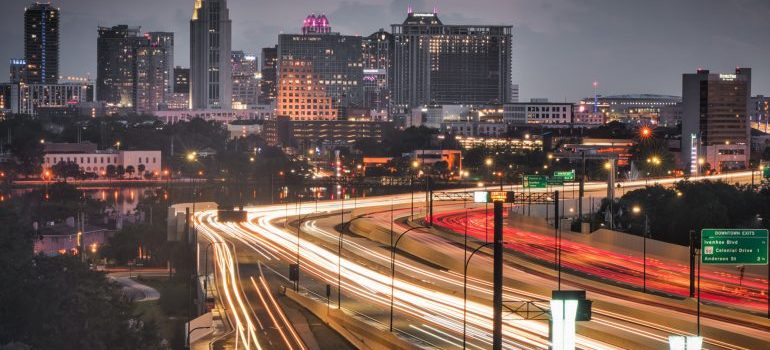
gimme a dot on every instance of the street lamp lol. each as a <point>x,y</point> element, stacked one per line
<point>637,210</point>
<point>465,288</point>
<point>393,266</point>
<point>415,166</point>
<point>339,252</point>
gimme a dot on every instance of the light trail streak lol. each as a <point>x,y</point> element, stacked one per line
<point>436,308</point>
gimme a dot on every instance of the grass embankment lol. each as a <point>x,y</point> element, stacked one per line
<point>170,311</point>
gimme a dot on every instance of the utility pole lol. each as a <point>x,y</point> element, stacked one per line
<point>497,297</point>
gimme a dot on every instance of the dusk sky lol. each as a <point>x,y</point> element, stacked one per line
<point>559,46</point>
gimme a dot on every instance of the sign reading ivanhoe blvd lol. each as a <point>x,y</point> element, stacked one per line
<point>734,246</point>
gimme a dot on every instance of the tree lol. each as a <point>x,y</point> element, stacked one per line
<point>130,171</point>
<point>120,170</point>
<point>141,168</point>
<point>64,170</point>
<point>111,171</point>
<point>60,297</point>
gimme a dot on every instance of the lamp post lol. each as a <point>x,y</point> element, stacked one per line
<point>340,241</point>
<point>415,166</point>
<point>637,210</point>
<point>206,260</point>
<point>393,266</point>
<point>465,288</point>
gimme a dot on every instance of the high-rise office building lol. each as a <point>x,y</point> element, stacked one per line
<point>268,83</point>
<point>377,49</point>
<point>180,95</point>
<point>301,94</point>
<point>154,72</point>
<point>134,71</point>
<point>116,65</point>
<point>41,43</point>
<point>210,69</point>
<point>716,131</point>
<point>18,69</point>
<point>434,63</point>
<point>336,61</point>
<point>181,80</point>
<point>246,77</point>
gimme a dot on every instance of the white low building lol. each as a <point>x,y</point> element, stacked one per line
<point>96,162</point>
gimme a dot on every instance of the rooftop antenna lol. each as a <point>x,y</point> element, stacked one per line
<point>596,98</point>
<point>435,7</point>
<point>409,9</point>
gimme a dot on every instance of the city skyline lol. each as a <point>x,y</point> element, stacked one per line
<point>636,53</point>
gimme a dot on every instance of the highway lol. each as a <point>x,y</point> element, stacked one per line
<point>428,298</point>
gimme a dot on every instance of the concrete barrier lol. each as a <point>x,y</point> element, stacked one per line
<point>176,218</point>
<point>364,335</point>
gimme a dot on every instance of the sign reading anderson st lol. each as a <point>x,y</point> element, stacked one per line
<point>734,246</point>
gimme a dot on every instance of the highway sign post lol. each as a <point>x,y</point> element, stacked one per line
<point>535,181</point>
<point>556,181</point>
<point>567,175</point>
<point>734,246</point>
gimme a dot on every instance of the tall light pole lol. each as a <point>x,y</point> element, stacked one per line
<point>393,266</point>
<point>465,288</point>
<point>636,210</point>
<point>415,166</point>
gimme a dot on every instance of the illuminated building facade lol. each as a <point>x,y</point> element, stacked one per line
<point>434,63</point>
<point>715,112</point>
<point>268,83</point>
<point>116,65</point>
<point>31,99</point>
<point>210,46</point>
<point>301,96</point>
<point>636,108</point>
<point>538,112</point>
<point>154,71</point>
<point>336,61</point>
<point>41,43</point>
<point>305,134</point>
<point>246,77</point>
<point>18,69</point>
<point>377,49</point>
<point>760,112</point>
<point>180,94</point>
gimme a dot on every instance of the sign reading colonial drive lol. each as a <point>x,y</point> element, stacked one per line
<point>535,181</point>
<point>734,246</point>
<point>567,175</point>
<point>556,181</point>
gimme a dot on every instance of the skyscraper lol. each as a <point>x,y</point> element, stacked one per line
<point>41,43</point>
<point>377,50</point>
<point>450,64</point>
<point>245,79</point>
<point>116,65</point>
<point>336,62</point>
<point>18,69</point>
<point>134,72</point>
<point>210,69</point>
<point>268,83</point>
<point>180,96</point>
<point>154,72</point>
<point>716,132</point>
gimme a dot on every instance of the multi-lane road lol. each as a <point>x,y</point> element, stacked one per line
<point>428,296</point>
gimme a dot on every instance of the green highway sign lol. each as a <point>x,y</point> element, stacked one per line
<point>766,172</point>
<point>567,175</point>
<point>734,246</point>
<point>535,181</point>
<point>556,181</point>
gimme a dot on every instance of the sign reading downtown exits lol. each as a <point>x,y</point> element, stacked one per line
<point>734,246</point>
